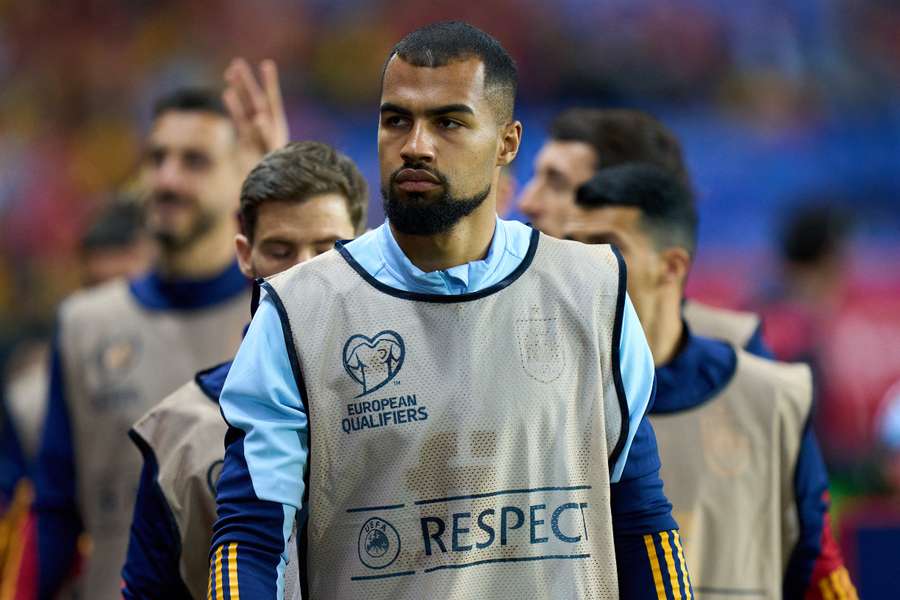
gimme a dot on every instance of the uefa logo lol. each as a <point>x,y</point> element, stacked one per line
<point>373,362</point>
<point>379,544</point>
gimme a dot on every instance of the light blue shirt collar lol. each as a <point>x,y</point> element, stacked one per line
<point>379,254</point>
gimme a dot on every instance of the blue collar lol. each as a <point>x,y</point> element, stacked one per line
<point>156,293</point>
<point>455,280</point>
<point>698,372</point>
<point>212,380</point>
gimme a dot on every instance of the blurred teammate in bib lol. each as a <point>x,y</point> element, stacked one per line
<point>295,204</point>
<point>583,141</point>
<point>740,460</point>
<point>122,346</point>
<point>449,409</point>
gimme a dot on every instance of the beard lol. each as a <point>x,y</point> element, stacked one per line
<point>417,214</point>
<point>171,239</point>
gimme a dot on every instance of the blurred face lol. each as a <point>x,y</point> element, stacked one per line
<point>621,226</point>
<point>289,233</point>
<point>439,144</point>
<point>192,176</point>
<point>560,167</point>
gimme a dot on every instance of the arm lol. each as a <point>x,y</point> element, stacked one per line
<point>152,567</point>
<point>262,482</point>
<point>649,558</point>
<point>816,569</point>
<point>55,505</point>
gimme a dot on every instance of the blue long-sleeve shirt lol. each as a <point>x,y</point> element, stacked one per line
<point>261,489</point>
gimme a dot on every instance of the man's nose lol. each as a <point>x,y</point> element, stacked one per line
<point>167,174</point>
<point>419,146</point>
<point>529,203</point>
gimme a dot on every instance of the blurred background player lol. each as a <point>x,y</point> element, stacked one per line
<point>115,245</point>
<point>121,347</point>
<point>430,280</point>
<point>741,463</point>
<point>295,205</point>
<point>585,140</point>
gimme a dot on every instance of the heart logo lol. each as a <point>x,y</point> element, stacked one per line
<point>373,362</point>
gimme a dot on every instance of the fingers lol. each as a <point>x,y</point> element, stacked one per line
<point>249,88</point>
<point>273,87</point>
<point>237,111</point>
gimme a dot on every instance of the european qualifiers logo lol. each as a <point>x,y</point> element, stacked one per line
<point>373,362</point>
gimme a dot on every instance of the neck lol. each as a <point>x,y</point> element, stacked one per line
<point>665,330</point>
<point>468,241</point>
<point>205,257</point>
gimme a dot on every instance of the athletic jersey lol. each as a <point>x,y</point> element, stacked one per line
<point>738,328</point>
<point>417,469</point>
<point>119,348</point>
<point>744,474</point>
<point>181,440</point>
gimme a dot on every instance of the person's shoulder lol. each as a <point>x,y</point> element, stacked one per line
<point>784,386</point>
<point>170,421</point>
<point>736,327</point>
<point>97,301</point>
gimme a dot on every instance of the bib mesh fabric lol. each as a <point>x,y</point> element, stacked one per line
<point>459,445</point>
<point>729,465</point>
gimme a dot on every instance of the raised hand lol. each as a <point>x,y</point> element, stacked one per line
<point>257,110</point>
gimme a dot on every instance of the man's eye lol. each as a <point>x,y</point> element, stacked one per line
<point>449,124</point>
<point>396,121</point>
<point>155,157</point>
<point>196,160</point>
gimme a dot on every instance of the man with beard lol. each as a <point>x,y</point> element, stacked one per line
<point>373,400</point>
<point>122,346</point>
<point>585,140</point>
<point>740,460</point>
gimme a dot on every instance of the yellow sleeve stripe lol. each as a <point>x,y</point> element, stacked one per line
<point>218,568</point>
<point>654,567</point>
<point>670,564</point>
<point>688,595</point>
<point>825,588</point>
<point>234,592</point>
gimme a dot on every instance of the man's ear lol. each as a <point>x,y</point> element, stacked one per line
<point>510,139</point>
<point>676,264</point>
<point>244,251</point>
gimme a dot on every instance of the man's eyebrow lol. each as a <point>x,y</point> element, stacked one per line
<point>431,112</point>
<point>449,108</point>
<point>390,107</point>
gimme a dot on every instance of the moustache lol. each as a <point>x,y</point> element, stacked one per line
<point>418,172</point>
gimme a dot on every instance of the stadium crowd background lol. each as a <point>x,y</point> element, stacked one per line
<point>786,110</point>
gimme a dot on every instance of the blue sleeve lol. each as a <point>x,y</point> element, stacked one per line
<point>152,568</point>
<point>262,483</point>
<point>652,567</point>
<point>757,345</point>
<point>55,505</point>
<point>816,555</point>
<point>12,459</point>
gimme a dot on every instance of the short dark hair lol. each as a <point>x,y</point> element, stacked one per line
<point>814,231</point>
<point>440,44</point>
<point>298,172</point>
<point>189,99</point>
<point>667,206</point>
<point>117,225</point>
<point>621,136</point>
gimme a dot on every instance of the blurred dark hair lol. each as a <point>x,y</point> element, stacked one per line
<point>666,204</point>
<point>814,231</point>
<point>298,172</point>
<point>190,100</point>
<point>622,136</point>
<point>440,44</point>
<point>117,225</point>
